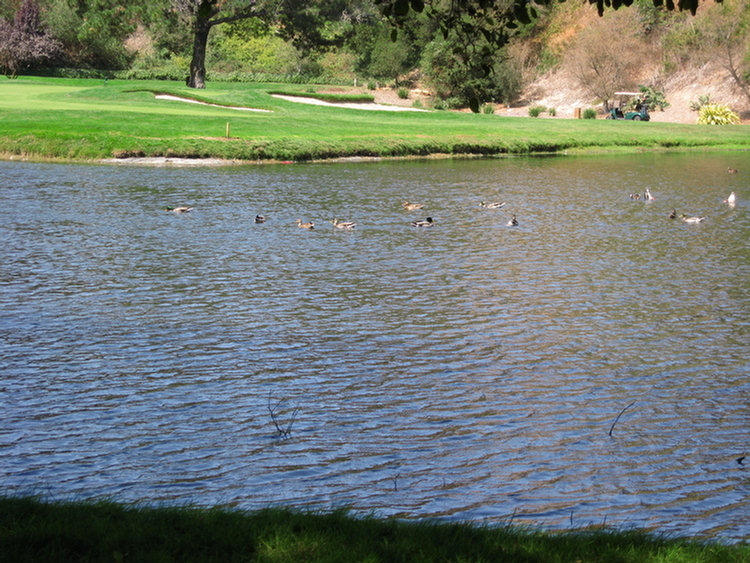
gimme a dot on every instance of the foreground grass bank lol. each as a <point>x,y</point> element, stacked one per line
<point>31,530</point>
<point>89,119</point>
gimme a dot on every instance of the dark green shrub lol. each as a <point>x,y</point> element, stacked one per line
<point>589,113</point>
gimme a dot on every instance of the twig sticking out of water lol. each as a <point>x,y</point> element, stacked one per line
<point>618,417</point>
<point>284,431</point>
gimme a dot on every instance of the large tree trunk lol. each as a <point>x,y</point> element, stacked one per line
<point>197,78</point>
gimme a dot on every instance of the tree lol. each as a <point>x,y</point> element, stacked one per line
<point>492,21</point>
<point>301,22</point>
<point>729,35</point>
<point>603,66</point>
<point>25,43</point>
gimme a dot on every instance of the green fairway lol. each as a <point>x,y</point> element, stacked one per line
<point>90,119</point>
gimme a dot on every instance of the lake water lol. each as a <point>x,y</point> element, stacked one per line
<point>469,370</point>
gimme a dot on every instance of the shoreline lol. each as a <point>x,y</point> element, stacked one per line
<point>214,162</point>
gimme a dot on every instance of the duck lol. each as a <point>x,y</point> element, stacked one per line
<point>494,205</point>
<point>426,223</point>
<point>731,199</point>
<point>180,209</point>
<point>687,219</point>
<point>344,224</point>
<point>260,219</point>
<point>673,214</point>
<point>731,170</point>
<point>647,195</point>
<point>411,206</point>
<point>635,196</point>
<point>305,225</point>
<point>513,222</point>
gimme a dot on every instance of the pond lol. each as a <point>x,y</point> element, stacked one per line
<point>590,365</point>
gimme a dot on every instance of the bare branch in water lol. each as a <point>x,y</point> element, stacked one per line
<point>618,417</point>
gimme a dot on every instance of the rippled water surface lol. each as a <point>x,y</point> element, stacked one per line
<point>470,370</point>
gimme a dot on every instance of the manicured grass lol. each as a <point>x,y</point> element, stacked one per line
<point>31,530</point>
<point>88,119</point>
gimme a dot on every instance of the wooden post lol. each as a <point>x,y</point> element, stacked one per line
<point>227,129</point>
<point>577,113</point>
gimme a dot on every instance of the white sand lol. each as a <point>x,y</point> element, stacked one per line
<point>367,106</point>
<point>188,100</point>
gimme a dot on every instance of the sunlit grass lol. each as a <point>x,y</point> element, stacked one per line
<point>31,530</point>
<point>88,119</point>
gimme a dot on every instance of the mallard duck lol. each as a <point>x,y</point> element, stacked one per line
<point>691,219</point>
<point>494,205</point>
<point>343,224</point>
<point>307,225</point>
<point>411,206</point>
<point>673,214</point>
<point>260,219</point>
<point>647,195</point>
<point>426,223</point>
<point>513,222</point>
<point>181,209</point>
<point>732,170</point>
<point>635,196</point>
<point>731,199</point>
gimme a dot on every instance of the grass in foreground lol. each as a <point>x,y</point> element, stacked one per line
<point>88,119</point>
<point>31,530</point>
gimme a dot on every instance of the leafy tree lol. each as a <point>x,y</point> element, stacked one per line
<point>25,43</point>
<point>302,22</point>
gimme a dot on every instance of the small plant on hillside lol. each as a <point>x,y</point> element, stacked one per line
<point>417,104</point>
<point>589,113</point>
<point>652,99</point>
<point>372,85</point>
<point>535,111</point>
<point>717,114</point>
<point>552,112</point>
<point>700,102</point>
<point>403,93</point>
<point>488,109</point>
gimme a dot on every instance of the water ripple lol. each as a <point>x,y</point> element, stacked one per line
<point>468,371</point>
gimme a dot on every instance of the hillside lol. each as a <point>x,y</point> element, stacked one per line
<point>682,74</point>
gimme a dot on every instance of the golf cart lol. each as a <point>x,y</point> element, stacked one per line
<point>631,107</point>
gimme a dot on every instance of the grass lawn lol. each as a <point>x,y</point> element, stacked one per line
<point>31,530</point>
<point>88,119</point>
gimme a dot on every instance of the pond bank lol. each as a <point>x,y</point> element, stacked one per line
<point>34,530</point>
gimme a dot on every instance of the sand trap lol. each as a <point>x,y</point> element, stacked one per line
<point>367,106</point>
<point>188,100</point>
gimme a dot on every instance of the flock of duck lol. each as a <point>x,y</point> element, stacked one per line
<point>349,225</point>
<point>731,200</point>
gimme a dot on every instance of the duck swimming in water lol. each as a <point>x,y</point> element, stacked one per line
<point>513,222</point>
<point>426,223</point>
<point>647,195</point>
<point>731,199</point>
<point>181,209</point>
<point>344,224</point>
<point>732,170</point>
<point>260,219</point>
<point>687,219</point>
<point>673,214</point>
<point>307,225</point>
<point>495,205</point>
<point>411,206</point>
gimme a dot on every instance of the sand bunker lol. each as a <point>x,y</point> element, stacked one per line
<point>367,106</point>
<point>188,100</point>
